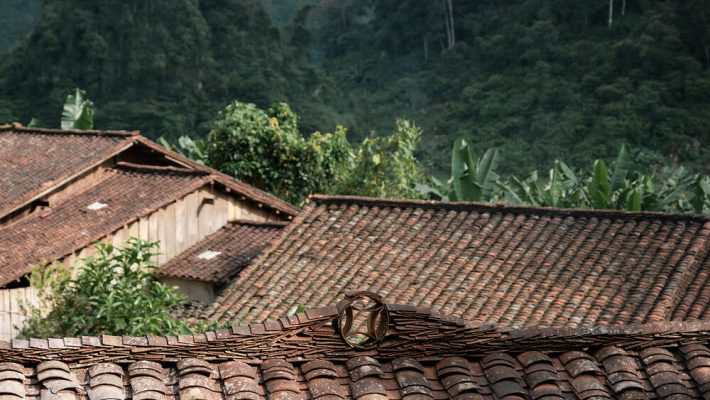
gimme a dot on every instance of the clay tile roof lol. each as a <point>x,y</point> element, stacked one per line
<point>36,160</point>
<point>33,160</point>
<point>247,191</point>
<point>423,355</point>
<point>221,255</point>
<point>123,195</point>
<point>515,266</point>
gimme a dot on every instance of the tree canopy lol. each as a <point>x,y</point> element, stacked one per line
<point>165,67</point>
<point>266,149</point>
<point>537,79</point>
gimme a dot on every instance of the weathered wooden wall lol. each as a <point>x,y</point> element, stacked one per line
<point>177,226</point>
<point>10,313</point>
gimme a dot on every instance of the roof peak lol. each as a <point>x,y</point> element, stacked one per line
<point>19,128</point>
<point>322,333</point>
<point>504,208</point>
<point>135,138</point>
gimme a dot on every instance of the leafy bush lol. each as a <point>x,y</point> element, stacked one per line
<point>115,292</point>
<point>192,148</point>
<point>266,149</point>
<point>385,166</point>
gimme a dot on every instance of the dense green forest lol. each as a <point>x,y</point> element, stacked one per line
<point>540,79</point>
<point>17,19</point>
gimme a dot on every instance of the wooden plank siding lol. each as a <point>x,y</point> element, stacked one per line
<point>177,226</point>
<point>10,313</point>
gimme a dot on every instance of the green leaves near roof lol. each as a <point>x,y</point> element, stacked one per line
<point>620,186</point>
<point>472,179</point>
<point>78,112</point>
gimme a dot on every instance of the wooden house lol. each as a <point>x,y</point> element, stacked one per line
<point>64,190</point>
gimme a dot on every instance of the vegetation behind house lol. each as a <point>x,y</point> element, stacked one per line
<point>538,79</point>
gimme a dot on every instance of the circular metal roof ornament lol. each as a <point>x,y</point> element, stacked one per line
<point>351,324</point>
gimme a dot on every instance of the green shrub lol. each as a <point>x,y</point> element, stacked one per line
<point>114,292</point>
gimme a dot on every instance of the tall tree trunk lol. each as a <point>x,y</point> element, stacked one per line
<point>447,24</point>
<point>450,4</point>
<point>623,7</point>
<point>611,12</point>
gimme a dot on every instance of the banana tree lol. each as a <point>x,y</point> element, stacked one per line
<point>472,179</point>
<point>618,187</point>
<point>610,190</point>
<point>78,112</point>
<point>562,189</point>
<point>673,189</point>
<point>195,149</point>
<point>601,189</point>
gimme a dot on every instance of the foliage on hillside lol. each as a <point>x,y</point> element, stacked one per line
<point>268,149</point>
<point>538,79</point>
<point>17,19</point>
<point>165,67</point>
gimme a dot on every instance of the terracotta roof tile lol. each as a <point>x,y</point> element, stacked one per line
<point>34,160</point>
<point>37,160</point>
<point>516,266</point>
<point>421,357</point>
<point>221,255</point>
<point>128,194</point>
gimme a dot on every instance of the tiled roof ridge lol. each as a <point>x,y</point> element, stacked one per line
<point>134,167</point>
<point>18,128</point>
<point>411,332</point>
<point>506,208</point>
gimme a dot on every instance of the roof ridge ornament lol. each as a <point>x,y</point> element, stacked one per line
<point>378,320</point>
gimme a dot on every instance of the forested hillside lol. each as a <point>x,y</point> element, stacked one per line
<point>17,18</point>
<point>164,66</point>
<point>542,79</point>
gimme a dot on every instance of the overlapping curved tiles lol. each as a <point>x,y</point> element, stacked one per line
<point>606,373</point>
<point>515,266</point>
